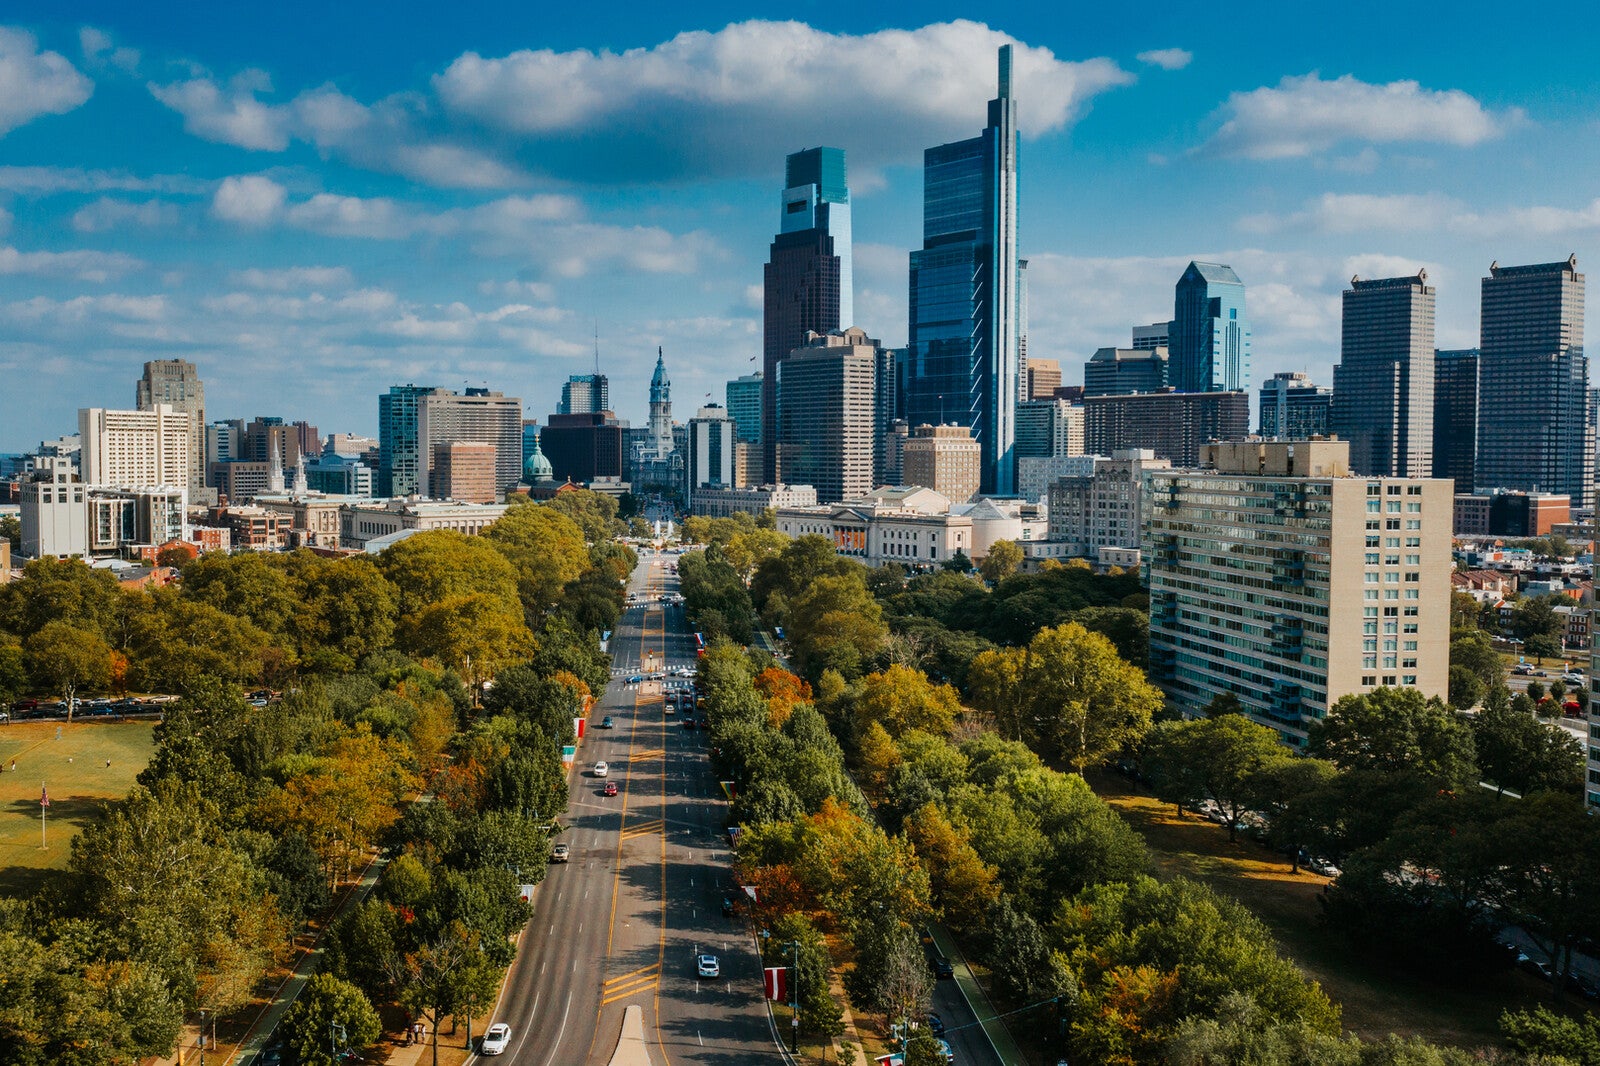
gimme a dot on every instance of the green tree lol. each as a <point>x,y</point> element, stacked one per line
<point>1551,1036</point>
<point>958,563</point>
<point>1514,751</point>
<point>903,699</point>
<point>11,530</point>
<point>1466,689</point>
<point>326,1009</point>
<point>68,659</point>
<point>1002,561</point>
<point>1079,701</point>
<point>1213,758</point>
<point>820,1014</point>
<point>437,564</point>
<point>347,607</point>
<point>254,586</point>
<point>13,671</point>
<point>1550,856</point>
<point>473,634</point>
<point>1400,731</point>
<point>546,548</point>
<point>60,590</point>
<point>1473,650</point>
<point>835,624</point>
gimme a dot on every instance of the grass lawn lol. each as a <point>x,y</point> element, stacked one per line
<point>1376,1001</point>
<point>74,769</point>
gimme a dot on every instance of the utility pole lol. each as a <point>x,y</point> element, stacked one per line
<point>794,995</point>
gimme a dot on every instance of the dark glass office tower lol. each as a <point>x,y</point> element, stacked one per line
<point>808,276</point>
<point>1534,430</point>
<point>1455,417</point>
<point>1209,336</point>
<point>1383,385</point>
<point>963,365</point>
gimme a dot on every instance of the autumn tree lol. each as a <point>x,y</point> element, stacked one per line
<point>1079,701</point>
<point>904,699</point>
<point>963,884</point>
<point>546,550</point>
<point>1218,759</point>
<point>1002,561</point>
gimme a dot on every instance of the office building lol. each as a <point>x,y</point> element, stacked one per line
<point>1209,336</point>
<point>463,471</point>
<point>1534,429</point>
<point>132,449</point>
<point>1280,577</point>
<point>54,511</point>
<point>807,283</point>
<point>1155,335</point>
<point>1455,416</point>
<point>1510,514</point>
<point>176,383</point>
<point>963,360</point>
<point>1048,427</point>
<point>913,526</point>
<point>654,458</point>
<point>262,437</point>
<point>583,448</point>
<point>1043,379</point>
<point>1036,474</point>
<point>349,445</point>
<point>120,520</point>
<point>338,475</point>
<point>743,396</point>
<point>725,503</point>
<point>1383,385</point>
<point>1122,371</point>
<point>827,409</point>
<point>710,460</point>
<point>1295,409</point>
<point>400,465</point>
<point>945,459</point>
<point>1174,425</point>
<point>1103,509</point>
<point>585,394</point>
<point>491,418</point>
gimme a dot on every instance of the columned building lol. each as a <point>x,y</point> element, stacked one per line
<point>1383,385</point>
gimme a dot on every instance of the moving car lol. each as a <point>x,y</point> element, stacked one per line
<point>558,853</point>
<point>610,789</point>
<point>707,966</point>
<point>601,769</point>
<point>942,968</point>
<point>688,723</point>
<point>496,1039</point>
<point>606,723</point>
<point>935,1023</point>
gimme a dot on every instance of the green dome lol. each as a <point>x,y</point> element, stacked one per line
<point>537,468</point>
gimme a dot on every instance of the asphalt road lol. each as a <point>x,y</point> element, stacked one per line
<point>621,923</point>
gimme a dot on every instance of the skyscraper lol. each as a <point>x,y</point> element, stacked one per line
<point>710,462</point>
<point>1209,336</point>
<point>1043,378</point>
<point>1533,426</point>
<point>491,418</point>
<point>1455,417</point>
<point>827,405</point>
<point>744,406</point>
<point>964,360</point>
<point>585,394</point>
<point>1383,385</point>
<point>808,277</point>
<point>177,383</point>
<point>1123,371</point>
<point>400,462</point>
<point>1292,408</point>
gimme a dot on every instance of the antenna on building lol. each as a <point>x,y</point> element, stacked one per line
<point>597,347</point>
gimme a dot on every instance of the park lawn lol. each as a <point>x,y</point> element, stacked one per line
<point>1375,1000</point>
<point>74,769</point>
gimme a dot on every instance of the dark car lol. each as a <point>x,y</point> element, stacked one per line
<point>688,723</point>
<point>935,1023</point>
<point>606,723</point>
<point>942,968</point>
<point>727,906</point>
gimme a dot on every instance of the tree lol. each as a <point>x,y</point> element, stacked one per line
<point>60,590</point>
<point>1397,731</point>
<point>1002,561</point>
<point>1213,758</point>
<point>346,607</point>
<point>439,563</point>
<point>330,1016</point>
<point>835,623</point>
<point>1466,689</point>
<point>964,886</point>
<point>820,1013</point>
<point>1542,1032</point>
<point>903,699</point>
<point>1079,701</point>
<point>958,563</point>
<point>1550,856</point>
<point>473,634</point>
<point>1472,650</point>
<point>433,979</point>
<point>13,671</point>
<point>11,530</point>
<point>66,659</point>
<point>546,549</point>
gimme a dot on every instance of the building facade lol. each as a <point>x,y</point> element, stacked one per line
<point>1048,428</point>
<point>725,503</point>
<point>710,463</point>
<point>1209,336</point>
<point>945,459</point>
<point>1036,475</point>
<point>1043,379</point>
<point>1175,425</point>
<point>1455,416</point>
<point>585,394</point>
<point>131,449</point>
<point>54,511</point>
<point>743,396</point>
<point>176,383</point>
<point>363,522</point>
<point>827,407</point>
<point>1293,408</point>
<point>1153,336</point>
<point>963,359</point>
<point>1534,427</point>
<point>1105,508</point>
<point>1277,575</point>
<point>1383,385</point>
<point>807,284</point>
<point>1121,371</point>
<point>491,418</point>
<point>464,471</point>
<point>400,464</point>
<point>910,526</point>
<point>583,448</point>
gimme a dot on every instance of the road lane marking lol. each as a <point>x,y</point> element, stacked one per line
<point>642,985</point>
<point>633,973</point>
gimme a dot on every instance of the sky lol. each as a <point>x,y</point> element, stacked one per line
<point>314,202</point>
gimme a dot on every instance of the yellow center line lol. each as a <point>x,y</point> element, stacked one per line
<point>623,992</point>
<point>641,970</point>
<point>661,945</point>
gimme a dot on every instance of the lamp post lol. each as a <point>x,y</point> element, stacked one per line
<point>202,1040</point>
<point>336,1036</point>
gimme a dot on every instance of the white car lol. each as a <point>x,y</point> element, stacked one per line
<point>707,966</point>
<point>601,769</point>
<point>496,1039</point>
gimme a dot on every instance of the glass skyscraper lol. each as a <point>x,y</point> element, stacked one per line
<point>963,363</point>
<point>808,277</point>
<point>1383,385</point>
<point>1209,336</point>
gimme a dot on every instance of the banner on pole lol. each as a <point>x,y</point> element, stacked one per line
<point>777,983</point>
<point>569,753</point>
<point>578,726</point>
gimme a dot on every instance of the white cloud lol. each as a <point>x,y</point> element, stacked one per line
<point>99,48</point>
<point>1306,115</point>
<point>304,277</point>
<point>83,265</point>
<point>50,180</point>
<point>1167,58</point>
<point>230,115</point>
<point>106,213</point>
<point>248,199</point>
<point>35,83</point>
<point>1346,213</point>
<point>5,221</point>
<point>353,216</point>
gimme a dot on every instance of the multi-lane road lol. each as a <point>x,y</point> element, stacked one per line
<point>620,924</point>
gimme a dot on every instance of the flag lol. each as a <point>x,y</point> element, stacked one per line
<point>44,797</point>
<point>777,983</point>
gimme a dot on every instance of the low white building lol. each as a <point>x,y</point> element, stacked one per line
<point>996,520</point>
<point>362,522</point>
<point>725,502</point>
<point>910,526</point>
<point>64,518</point>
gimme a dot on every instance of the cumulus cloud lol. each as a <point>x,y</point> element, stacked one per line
<point>107,213</point>
<point>1305,115</point>
<point>248,199</point>
<point>729,102</point>
<point>82,265</point>
<point>1167,58</point>
<point>1345,213</point>
<point>35,83</point>
<point>300,277</point>
<point>354,216</point>
<point>99,48</point>
<point>45,181</point>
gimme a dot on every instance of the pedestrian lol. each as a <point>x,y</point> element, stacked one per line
<point>13,764</point>
<point>108,764</point>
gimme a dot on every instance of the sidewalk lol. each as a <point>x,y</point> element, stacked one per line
<point>1005,1048</point>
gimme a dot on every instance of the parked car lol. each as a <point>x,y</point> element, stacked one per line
<point>935,1023</point>
<point>1522,668</point>
<point>942,968</point>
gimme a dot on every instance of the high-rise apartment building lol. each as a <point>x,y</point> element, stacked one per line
<point>135,449</point>
<point>1121,371</point>
<point>1455,416</point>
<point>1049,427</point>
<point>945,459</point>
<point>710,462</point>
<point>585,394</point>
<point>827,407</point>
<point>1174,425</point>
<point>743,396</point>
<point>176,382</point>
<point>1209,336</point>
<point>1295,409</point>
<point>1043,379</point>
<point>1280,577</point>
<point>491,418</point>
<point>1383,385</point>
<point>807,284</point>
<point>1534,429</point>
<point>1103,508</point>
<point>963,361</point>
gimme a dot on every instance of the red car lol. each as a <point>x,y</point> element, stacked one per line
<point>610,789</point>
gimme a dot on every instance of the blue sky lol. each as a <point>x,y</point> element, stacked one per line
<point>313,202</point>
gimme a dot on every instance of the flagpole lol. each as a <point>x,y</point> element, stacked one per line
<point>44,805</point>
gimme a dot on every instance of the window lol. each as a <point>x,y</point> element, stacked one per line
<point>1369,679</point>
<point>1413,490</point>
<point>1412,523</point>
<point>1413,508</point>
<point>1388,679</point>
<point>1410,645</point>
<point>1394,490</point>
<point>1371,594</point>
<point>1391,523</point>
<point>1410,679</point>
<point>1391,542</point>
<point>1372,558</point>
<point>1372,523</point>
<point>1374,506</point>
<point>1371,577</point>
<point>1413,560</point>
<point>1394,507</point>
<point>1372,542</point>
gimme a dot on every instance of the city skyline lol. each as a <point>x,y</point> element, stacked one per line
<point>311,226</point>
